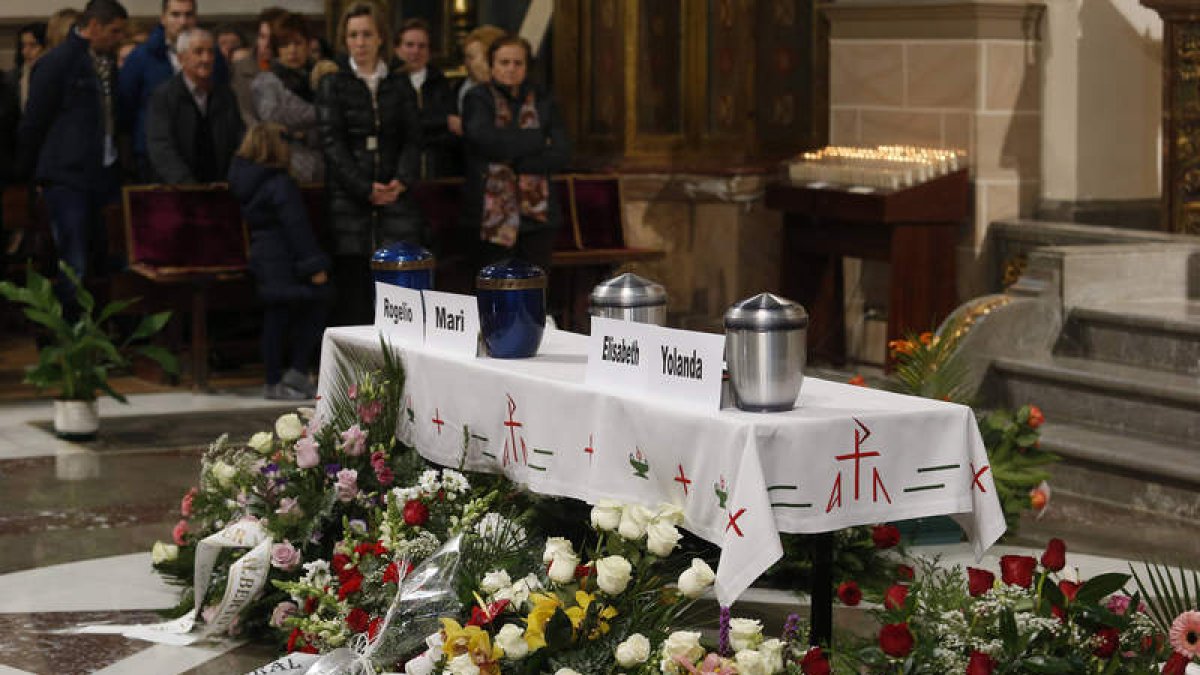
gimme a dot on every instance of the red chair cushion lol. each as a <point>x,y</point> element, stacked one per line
<point>185,228</point>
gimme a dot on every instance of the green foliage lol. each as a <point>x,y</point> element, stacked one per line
<point>80,355</point>
<point>1011,438</point>
<point>930,366</point>
<point>855,556</point>
<point>1165,599</point>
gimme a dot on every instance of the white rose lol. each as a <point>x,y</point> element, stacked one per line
<point>565,671</point>
<point>772,653</point>
<point>750,662</point>
<point>260,442</point>
<point>435,641</point>
<point>662,537</point>
<point>223,473</point>
<point>163,552</point>
<point>634,650</point>
<point>612,574</point>
<point>744,634</point>
<point>606,515</point>
<point>683,643</point>
<point>422,665</point>
<point>696,579</point>
<point>511,639</point>
<point>669,513</point>
<point>556,546</point>
<point>462,665</point>
<point>494,581</point>
<point>562,568</point>
<point>634,519</point>
<point>289,427</point>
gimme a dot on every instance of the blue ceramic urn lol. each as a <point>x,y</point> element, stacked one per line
<point>404,264</point>
<point>512,308</point>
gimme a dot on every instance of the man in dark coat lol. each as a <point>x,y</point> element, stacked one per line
<point>441,128</point>
<point>193,126</point>
<point>68,131</point>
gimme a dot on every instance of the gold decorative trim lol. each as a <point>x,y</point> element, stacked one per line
<point>403,265</point>
<point>533,283</point>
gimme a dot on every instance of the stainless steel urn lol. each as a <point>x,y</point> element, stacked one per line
<point>630,298</point>
<point>765,352</point>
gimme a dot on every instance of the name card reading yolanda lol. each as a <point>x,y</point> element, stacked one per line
<point>686,366</point>
<point>400,313</point>
<point>451,323</point>
<point>618,353</point>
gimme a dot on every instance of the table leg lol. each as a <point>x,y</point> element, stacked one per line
<point>821,616</point>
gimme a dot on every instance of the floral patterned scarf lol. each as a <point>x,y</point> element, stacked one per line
<point>507,196</point>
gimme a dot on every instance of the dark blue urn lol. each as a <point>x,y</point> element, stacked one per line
<point>404,264</point>
<point>512,308</point>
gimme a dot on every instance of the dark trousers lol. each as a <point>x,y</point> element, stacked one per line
<point>306,320</point>
<point>355,300</point>
<point>80,235</point>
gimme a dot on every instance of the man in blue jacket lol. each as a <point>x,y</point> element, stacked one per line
<point>69,132</point>
<point>150,64</point>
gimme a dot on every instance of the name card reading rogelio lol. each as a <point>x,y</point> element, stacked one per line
<point>399,313</point>
<point>451,323</point>
<point>677,365</point>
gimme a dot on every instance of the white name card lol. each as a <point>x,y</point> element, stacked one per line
<point>685,367</point>
<point>618,355</point>
<point>451,323</point>
<point>400,313</point>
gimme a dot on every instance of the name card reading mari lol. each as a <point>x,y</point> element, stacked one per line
<point>451,323</point>
<point>400,313</point>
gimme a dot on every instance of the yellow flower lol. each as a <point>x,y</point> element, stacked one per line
<point>579,612</point>
<point>471,640</point>
<point>544,606</point>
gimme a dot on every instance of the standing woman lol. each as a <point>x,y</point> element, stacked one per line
<point>515,139</point>
<point>284,95</point>
<point>371,134</point>
<point>31,44</point>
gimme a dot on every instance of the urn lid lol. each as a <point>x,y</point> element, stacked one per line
<point>628,290</point>
<point>766,312</point>
<point>510,274</point>
<point>402,255</point>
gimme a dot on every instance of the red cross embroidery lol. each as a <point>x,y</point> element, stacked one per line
<point>977,475</point>
<point>683,480</point>
<point>437,419</point>
<point>512,425</point>
<point>733,522</point>
<point>857,455</point>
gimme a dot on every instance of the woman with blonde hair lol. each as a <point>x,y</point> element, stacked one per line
<point>58,27</point>
<point>290,269</point>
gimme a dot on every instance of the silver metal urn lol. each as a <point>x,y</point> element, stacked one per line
<point>765,353</point>
<point>630,298</point>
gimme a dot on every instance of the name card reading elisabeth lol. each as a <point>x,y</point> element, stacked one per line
<point>618,355</point>
<point>400,313</point>
<point>686,367</point>
<point>451,323</point>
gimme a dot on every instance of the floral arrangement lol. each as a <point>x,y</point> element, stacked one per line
<point>1173,605</point>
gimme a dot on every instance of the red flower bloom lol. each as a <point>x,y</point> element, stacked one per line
<point>308,649</point>
<point>849,593</point>
<point>895,596</point>
<point>310,605</point>
<point>815,663</point>
<point>351,584</point>
<point>358,620</point>
<point>583,571</point>
<point>391,574</point>
<point>1055,557</point>
<point>905,573</point>
<point>895,639</point>
<point>885,536</point>
<point>416,513</point>
<point>341,565</point>
<point>364,549</point>
<point>980,664</point>
<point>979,581</point>
<point>1110,639</point>
<point>373,629</point>
<point>1017,570</point>
<point>482,617</point>
<point>1069,589</point>
<point>1036,418</point>
<point>1176,665</point>
<point>858,381</point>
<point>293,638</point>
<point>380,549</point>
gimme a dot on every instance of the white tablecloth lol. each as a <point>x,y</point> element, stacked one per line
<point>844,456</point>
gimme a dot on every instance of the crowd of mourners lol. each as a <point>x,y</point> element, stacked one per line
<point>95,103</point>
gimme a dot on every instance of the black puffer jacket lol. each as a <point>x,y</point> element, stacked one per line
<point>369,142</point>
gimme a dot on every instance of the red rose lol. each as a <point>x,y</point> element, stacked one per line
<point>1036,418</point>
<point>350,585</point>
<point>980,664</point>
<point>292,639</point>
<point>895,596</point>
<point>380,549</point>
<point>373,629</point>
<point>904,573</point>
<point>583,571</point>
<point>309,649</point>
<point>416,513</point>
<point>849,593</point>
<point>310,605</point>
<point>391,574</point>
<point>358,620</point>
<point>1017,570</point>
<point>364,549</point>
<point>885,536</point>
<point>1110,639</point>
<point>1055,557</point>
<point>815,663</point>
<point>896,640</point>
<point>341,565</point>
<point>1069,589</point>
<point>979,581</point>
<point>1176,665</point>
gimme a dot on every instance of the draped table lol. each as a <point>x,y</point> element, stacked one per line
<point>844,456</point>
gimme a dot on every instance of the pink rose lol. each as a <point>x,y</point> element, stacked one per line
<point>282,611</point>
<point>354,441</point>
<point>306,453</point>
<point>367,412</point>
<point>347,485</point>
<point>285,556</point>
<point>288,505</point>
<point>185,505</point>
<point>181,530</point>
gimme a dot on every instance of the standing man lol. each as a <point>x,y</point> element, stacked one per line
<point>152,63</point>
<point>440,126</point>
<point>193,127</point>
<point>69,132</point>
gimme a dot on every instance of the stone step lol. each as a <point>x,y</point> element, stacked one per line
<point>1126,399</point>
<point>1130,459</point>
<point>1160,334</point>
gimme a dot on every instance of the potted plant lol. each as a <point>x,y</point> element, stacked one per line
<point>79,355</point>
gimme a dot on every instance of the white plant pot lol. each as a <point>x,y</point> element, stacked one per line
<point>76,420</point>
